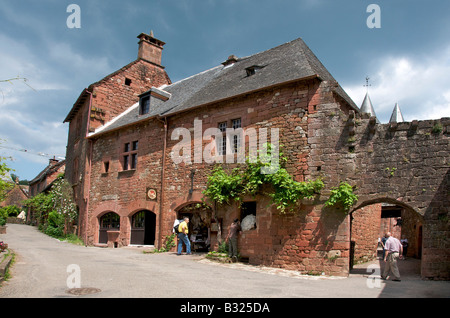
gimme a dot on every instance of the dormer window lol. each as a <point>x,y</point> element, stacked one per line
<point>144,105</point>
<point>253,69</point>
<point>151,96</point>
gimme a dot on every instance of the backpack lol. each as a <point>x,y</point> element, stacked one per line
<point>175,228</point>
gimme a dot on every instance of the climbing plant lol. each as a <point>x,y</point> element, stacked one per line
<point>285,192</point>
<point>343,195</point>
<point>56,209</point>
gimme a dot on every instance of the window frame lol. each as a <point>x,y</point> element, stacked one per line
<point>235,142</point>
<point>144,105</point>
<point>130,155</point>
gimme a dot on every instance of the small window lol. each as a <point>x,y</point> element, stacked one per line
<point>106,166</point>
<point>133,161</point>
<point>139,220</point>
<point>110,220</point>
<point>144,105</point>
<point>248,209</point>
<point>130,155</point>
<point>127,81</point>
<point>252,70</point>
<point>126,160</point>
<point>222,142</point>
<point>236,124</point>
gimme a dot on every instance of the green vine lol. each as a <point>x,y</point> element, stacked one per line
<point>56,209</point>
<point>223,187</point>
<point>343,194</point>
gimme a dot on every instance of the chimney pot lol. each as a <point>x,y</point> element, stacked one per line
<point>231,60</point>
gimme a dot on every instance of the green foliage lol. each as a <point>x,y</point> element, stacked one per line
<point>3,217</point>
<point>223,187</point>
<point>343,194</point>
<point>4,186</point>
<point>437,128</point>
<point>11,210</point>
<point>55,224</point>
<point>42,204</point>
<point>55,209</point>
<point>223,247</point>
<point>169,243</point>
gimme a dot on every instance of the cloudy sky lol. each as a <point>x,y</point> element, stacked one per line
<point>407,58</point>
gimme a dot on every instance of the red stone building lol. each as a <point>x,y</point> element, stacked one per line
<point>99,104</point>
<point>43,181</point>
<point>124,159</point>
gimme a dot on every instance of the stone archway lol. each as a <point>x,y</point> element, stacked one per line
<point>108,222</point>
<point>371,219</point>
<point>200,220</point>
<point>143,228</point>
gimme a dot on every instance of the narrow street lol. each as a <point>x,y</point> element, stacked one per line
<point>43,266</point>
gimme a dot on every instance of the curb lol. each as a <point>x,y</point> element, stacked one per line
<point>4,265</point>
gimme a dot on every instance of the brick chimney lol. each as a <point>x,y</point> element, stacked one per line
<point>53,161</point>
<point>150,48</point>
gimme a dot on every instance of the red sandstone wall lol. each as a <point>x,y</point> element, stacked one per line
<point>110,97</point>
<point>365,232</point>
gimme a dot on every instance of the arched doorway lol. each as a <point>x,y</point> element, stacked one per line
<point>143,228</point>
<point>108,222</point>
<point>200,218</point>
<point>372,219</point>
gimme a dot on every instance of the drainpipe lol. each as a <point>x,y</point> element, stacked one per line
<point>163,169</point>
<point>89,168</point>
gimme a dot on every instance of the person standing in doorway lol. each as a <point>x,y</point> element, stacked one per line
<point>405,247</point>
<point>394,251</point>
<point>183,231</point>
<point>233,232</point>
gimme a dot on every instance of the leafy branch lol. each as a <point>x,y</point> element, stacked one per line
<point>343,194</point>
<point>223,187</point>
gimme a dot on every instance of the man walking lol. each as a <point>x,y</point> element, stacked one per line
<point>183,231</point>
<point>394,250</point>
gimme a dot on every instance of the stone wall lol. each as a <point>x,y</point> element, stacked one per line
<point>405,164</point>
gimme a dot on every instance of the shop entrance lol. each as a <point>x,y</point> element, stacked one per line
<point>199,225</point>
<point>108,222</point>
<point>143,228</point>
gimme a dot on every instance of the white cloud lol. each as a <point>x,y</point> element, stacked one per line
<point>419,85</point>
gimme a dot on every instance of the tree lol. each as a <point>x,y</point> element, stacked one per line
<point>4,185</point>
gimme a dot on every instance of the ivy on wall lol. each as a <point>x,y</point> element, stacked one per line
<point>224,187</point>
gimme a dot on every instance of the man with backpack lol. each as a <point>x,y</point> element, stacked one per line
<point>182,231</point>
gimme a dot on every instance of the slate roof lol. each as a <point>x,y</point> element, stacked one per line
<point>47,171</point>
<point>286,63</point>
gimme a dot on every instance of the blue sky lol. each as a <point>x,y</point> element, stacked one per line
<point>407,59</point>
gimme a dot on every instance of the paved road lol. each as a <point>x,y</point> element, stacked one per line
<point>42,263</point>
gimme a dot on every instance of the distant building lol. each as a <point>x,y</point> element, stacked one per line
<point>15,195</point>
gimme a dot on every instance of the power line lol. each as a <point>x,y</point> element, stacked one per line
<point>41,154</point>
